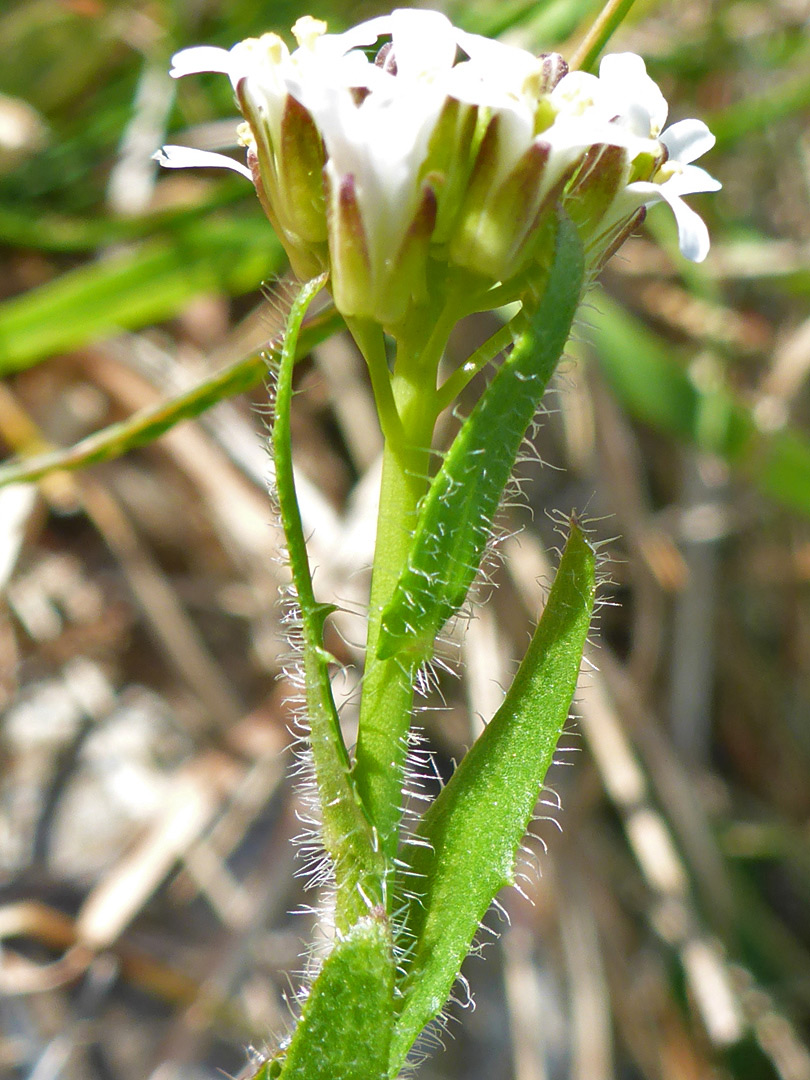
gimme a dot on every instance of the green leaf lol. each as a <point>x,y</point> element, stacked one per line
<point>657,390</point>
<point>345,1029</point>
<point>467,841</point>
<point>349,839</point>
<point>136,287</point>
<point>455,520</point>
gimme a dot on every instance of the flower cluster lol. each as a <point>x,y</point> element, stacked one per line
<point>406,156</point>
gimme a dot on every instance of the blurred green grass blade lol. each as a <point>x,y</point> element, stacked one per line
<point>19,227</point>
<point>148,424</point>
<point>783,472</point>
<point>756,114</point>
<point>60,232</point>
<point>489,19</point>
<point>467,841</point>
<point>655,389</point>
<point>546,24</point>
<point>136,287</point>
<point>559,20</point>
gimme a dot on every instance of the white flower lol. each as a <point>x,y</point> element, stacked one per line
<point>639,107</point>
<point>441,155</point>
<point>685,141</point>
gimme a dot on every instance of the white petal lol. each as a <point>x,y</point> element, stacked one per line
<point>185,157</point>
<point>200,58</point>
<point>578,90</point>
<point>687,140</point>
<point>260,61</point>
<point>692,179</point>
<point>500,61</point>
<point>365,33</point>
<point>424,42</point>
<point>638,98</point>
<point>693,236</point>
<point>626,70</point>
<point>381,144</point>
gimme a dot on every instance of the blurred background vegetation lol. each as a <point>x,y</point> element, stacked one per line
<point>145,818</point>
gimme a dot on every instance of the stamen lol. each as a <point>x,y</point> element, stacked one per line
<point>554,68</point>
<point>307,31</point>
<point>385,58</point>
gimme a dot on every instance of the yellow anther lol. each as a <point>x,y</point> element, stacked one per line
<point>244,135</point>
<point>307,30</point>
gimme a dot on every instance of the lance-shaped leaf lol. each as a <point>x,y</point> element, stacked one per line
<point>466,843</point>
<point>455,521</point>
<point>345,1029</point>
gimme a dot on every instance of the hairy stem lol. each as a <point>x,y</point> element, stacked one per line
<point>387,702</point>
<point>348,836</point>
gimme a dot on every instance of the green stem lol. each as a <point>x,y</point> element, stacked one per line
<point>385,712</point>
<point>371,342</point>
<point>348,836</point>
<point>455,383</point>
<point>606,24</point>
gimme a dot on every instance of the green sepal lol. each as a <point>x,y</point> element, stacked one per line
<point>601,176</point>
<point>300,165</point>
<point>466,843</point>
<point>352,284</point>
<point>456,517</point>
<point>404,281</point>
<point>449,161</point>
<point>492,235</point>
